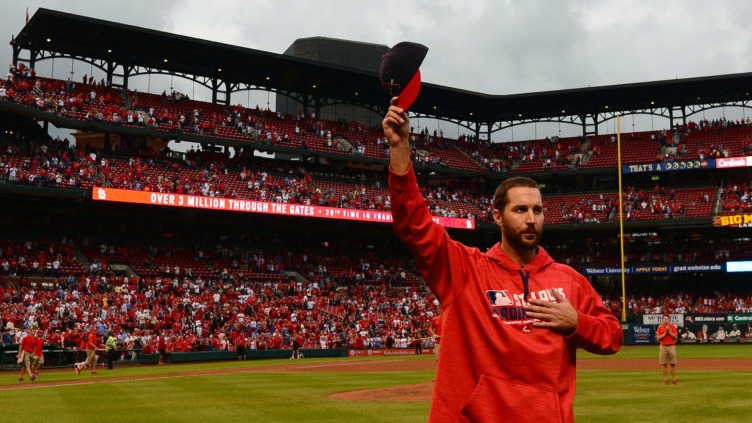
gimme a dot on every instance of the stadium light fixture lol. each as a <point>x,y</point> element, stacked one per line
<point>49,40</point>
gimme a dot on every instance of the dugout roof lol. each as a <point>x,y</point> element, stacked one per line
<point>130,46</point>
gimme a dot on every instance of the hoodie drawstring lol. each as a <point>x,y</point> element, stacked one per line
<point>525,276</point>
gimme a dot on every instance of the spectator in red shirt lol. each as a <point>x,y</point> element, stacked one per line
<point>92,344</point>
<point>26,353</point>
<point>666,334</point>
<point>436,334</point>
<point>38,360</point>
<point>162,347</point>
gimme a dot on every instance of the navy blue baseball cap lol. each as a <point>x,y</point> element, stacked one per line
<point>400,71</point>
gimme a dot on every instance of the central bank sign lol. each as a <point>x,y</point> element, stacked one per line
<point>739,318</point>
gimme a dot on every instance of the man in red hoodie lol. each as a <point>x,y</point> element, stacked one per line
<point>512,318</point>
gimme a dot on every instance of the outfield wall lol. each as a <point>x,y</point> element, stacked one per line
<point>706,331</point>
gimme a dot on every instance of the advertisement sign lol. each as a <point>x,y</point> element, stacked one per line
<point>674,268</point>
<point>604,270</point>
<point>669,166</point>
<point>384,352</point>
<point>739,318</point>
<point>657,319</point>
<point>739,266</point>
<point>706,318</point>
<point>693,268</point>
<point>731,328</point>
<point>734,220</point>
<point>729,162</point>
<point>718,333</point>
<point>642,334</point>
<point>264,207</point>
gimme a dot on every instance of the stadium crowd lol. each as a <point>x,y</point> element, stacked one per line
<point>252,302</point>
<point>213,298</point>
<point>195,314</point>
<point>192,314</point>
<point>55,163</point>
<point>175,112</point>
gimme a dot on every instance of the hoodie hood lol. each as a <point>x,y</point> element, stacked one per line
<point>539,262</point>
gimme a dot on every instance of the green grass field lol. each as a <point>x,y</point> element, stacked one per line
<point>637,396</point>
<point>282,396</point>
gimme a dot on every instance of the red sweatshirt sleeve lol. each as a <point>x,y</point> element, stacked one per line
<point>598,331</point>
<point>428,241</point>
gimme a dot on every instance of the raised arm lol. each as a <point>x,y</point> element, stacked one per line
<point>396,127</point>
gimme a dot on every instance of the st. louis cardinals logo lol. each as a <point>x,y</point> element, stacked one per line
<point>509,307</point>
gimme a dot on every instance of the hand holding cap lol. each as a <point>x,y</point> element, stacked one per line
<point>400,71</point>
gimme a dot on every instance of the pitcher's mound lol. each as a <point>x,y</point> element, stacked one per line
<point>404,393</point>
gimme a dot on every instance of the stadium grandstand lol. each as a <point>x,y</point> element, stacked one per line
<point>274,224</point>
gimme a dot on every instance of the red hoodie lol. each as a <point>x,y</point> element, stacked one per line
<point>494,365</point>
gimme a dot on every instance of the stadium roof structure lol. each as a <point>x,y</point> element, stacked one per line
<point>226,68</point>
<point>50,33</point>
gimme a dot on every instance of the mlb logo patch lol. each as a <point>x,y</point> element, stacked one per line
<point>503,307</point>
<point>499,298</point>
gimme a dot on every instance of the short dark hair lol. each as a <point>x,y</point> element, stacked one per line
<point>501,198</point>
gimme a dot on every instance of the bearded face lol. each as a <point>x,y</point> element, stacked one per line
<point>522,239</point>
<point>521,221</point>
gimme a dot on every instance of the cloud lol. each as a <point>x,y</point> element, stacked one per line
<point>490,46</point>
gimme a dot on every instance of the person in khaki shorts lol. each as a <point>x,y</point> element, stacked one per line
<point>92,344</point>
<point>26,354</point>
<point>38,361</point>
<point>666,334</point>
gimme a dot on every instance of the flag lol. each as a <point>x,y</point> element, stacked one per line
<point>27,15</point>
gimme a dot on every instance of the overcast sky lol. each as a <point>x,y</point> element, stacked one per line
<point>488,46</point>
